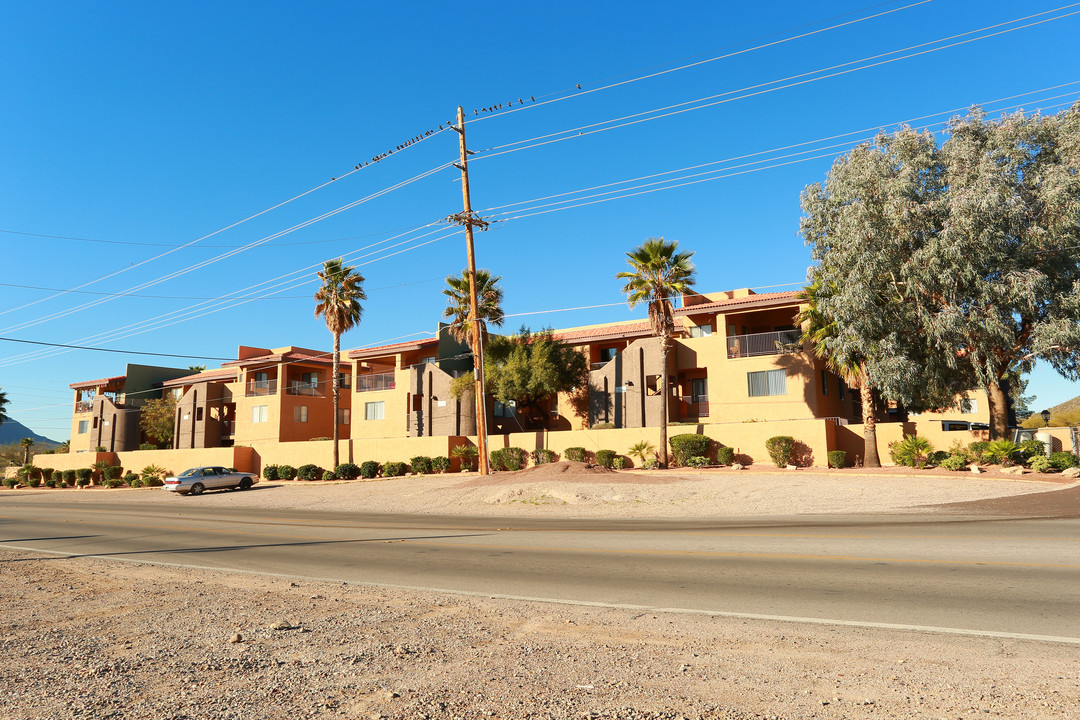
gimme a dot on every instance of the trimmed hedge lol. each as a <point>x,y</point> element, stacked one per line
<point>542,456</point>
<point>605,458</point>
<point>348,471</point>
<point>781,448</point>
<point>69,477</point>
<point>82,476</point>
<point>577,454</point>
<point>511,458</point>
<point>689,445</point>
<point>132,479</point>
<point>440,464</point>
<point>421,465</point>
<point>394,469</point>
<point>725,455</point>
<point>286,472</point>
<point>369,469</point>
<point>270,472</point>
<point>329,475</point>
<point>837,459</point>
<point>309,471</point>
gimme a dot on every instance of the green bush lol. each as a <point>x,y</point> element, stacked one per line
<point>131,479</point>
<point>348,471</point>
<point>577,454</point>
<point>147,446</point>
<point>270,472</point>
<point>1063,460</point>
<point>394,469</point>
<point>329,475</point>
<point>977,449</point>
<point>50,483</point>
<point>1031,448</point>
<point>286,472</point>
<point>688,445</point>
<point>1040,463</point>
<point>837,458</point>
<point>310,471</point>
<point>33,480</point>
<point>46,473</point>
<point>153,475</point>
<point>82,476</point>
<point>1002,452</point>
<point>511,458</point>
<point>11,482</point>
<point>781,448</point>
<point>542,456</point>
<point>369,469</point>
<point>466,455</point>
<point>725,455</point>
<point>936,457</point>
<point>620,462</point>
<point>69,477</point>
<point>421,465</point>
<point>912,451</point>
<point>114,473</point>
<point>113,482</point>
<point>698,461</point>
<point>602,426</point>
<point>605,458</point>
<point>440,464</point>
<point>954,462</point>
<point>99,448</point>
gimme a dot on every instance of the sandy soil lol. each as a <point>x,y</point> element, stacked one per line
<point>87,638</point>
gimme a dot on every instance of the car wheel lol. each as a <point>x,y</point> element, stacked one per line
<point>197,489</point>
<point>245,484</point>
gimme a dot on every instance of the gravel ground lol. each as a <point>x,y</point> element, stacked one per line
<point>90,638</point>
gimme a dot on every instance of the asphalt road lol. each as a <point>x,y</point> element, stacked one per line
<point>957,573</point>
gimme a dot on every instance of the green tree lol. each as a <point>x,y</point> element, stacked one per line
<point>157,419</point>
<point>338,302</point>
<point>659,271</point>
<point>26,443</point>
<point>196,368</point>
<point>3,407</point>
<point>489,297</point>
<point>528,368</point>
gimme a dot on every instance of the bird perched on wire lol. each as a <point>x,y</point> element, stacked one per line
<point>579,86</point>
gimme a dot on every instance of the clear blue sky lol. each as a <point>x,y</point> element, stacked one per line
<point>146,126</point>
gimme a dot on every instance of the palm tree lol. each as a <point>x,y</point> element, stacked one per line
<point>489,298</point>
<point>3,407</point>
<point>659,272</point>
<point>26,444</point>
<point>819,330</point>
<point>338,302</point>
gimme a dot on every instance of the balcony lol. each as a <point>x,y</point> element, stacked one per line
<point>228,428</point>
<point>261,387</point>
<point>368,382</point>
<point>84,406</point>
<point>307,389</point>
<point>767,343</point>
<point>691,408</point>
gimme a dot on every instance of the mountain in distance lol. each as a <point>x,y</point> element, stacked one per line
<point>12,431</point>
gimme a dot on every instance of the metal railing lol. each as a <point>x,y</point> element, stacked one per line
<point>367,382</point>
<point>84,406</point>
<point>300,387</point>
<point>261,387</point>
<point>598,365</point>
<point>691,408</point>
<point>767,343</point>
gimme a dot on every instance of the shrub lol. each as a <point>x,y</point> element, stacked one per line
<point>577,454</point>
<point>605,458</point>
<point>138,482</point>
<point>329,475</point>
<point>954,462</point>
<point>99,448</point>
<point>369,469</point>
<point>46,473</point>
<point>132,479</point>
<point>1063,460</point>
<point>466,455</point>
<point>837,458</point>
<point>1002,452</point>
<point>643,451</point>
<point>114,473</point>
<point>725,455</point>
<point>82,476</point>
<point>270,472</point>
<point>69,477</point>
<point>542,456</point>
<point>1040,463</point>
<point>49,482</point>
<point>515,458</point>
<point>688,445</point>
<point>440,464</point>
<point>698,461</point>
<point>147,446</point>
<point>114,482</point>
<point>421,465</point>
<point>348,471</point>
<point>11,482</point>
<point>937,456</point>
<point>781,448</point>
<point>1031,448</point>
<point>619,462</point>
<point>309,471</point>
<point>650,464</point>
<point>286,472</point>
<point>912,451</point>
<point>33,480</point>
<point>153,476</point>
<point>602,426</point>
<point>394,469</point>
<point>977,449</point>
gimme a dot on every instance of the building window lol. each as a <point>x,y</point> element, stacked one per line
<point>344,380</point>
<point>84,427</point>
<point>824,383</point>
<point>766,382</point>
<point>300,413</point>
<point>198,414</point>
<point>375,410</point>
<point>652,385</point>
<point>259,413</point>
<point>504,410</point>
<point>969,406</point>
<point>311,379</point>
<point>430,360</point>
<point>344,416</point>
<point>607,354</point>
<point>700,330</point>
<point>842,388</point>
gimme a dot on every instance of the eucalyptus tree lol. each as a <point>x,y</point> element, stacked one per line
<point>489,297</point>
<point>658,272</point>
<point>338,302</point>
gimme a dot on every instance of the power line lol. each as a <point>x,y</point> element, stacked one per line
<point>109,350</point>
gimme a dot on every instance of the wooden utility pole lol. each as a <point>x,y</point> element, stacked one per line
<point>468,219</point>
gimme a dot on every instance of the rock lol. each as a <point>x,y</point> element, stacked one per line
<point>1071,472</point>
<point>791,467</point>
<point>737,466</point>
<point>282,625</point>
<point>1015,470</point>
<point>975,468</point>
<point>390,695</point>
<point>236,638</point>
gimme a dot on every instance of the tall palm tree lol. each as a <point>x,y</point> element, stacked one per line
<point>3,407</point>
<point>26,444</point>
<point>338,302</point>
<point>819,330</point>
<point>659,271</point>
<point>489,297</point>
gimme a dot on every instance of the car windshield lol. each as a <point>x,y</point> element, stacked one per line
<point>189,472</point>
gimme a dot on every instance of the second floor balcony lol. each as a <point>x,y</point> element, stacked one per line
<point>261,387</point>
<point>368,382</point>
<point>307,389</point>
<point>84,406</point>
<point>692,407</point>
<point>766,343</point>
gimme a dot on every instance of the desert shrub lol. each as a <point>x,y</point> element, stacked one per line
<point>725,455</point>
<point>49,482</point>
<point>602,426</point>
<point>270,472</point>
<point>114,473</point>
<point>650,464</point>
<point>369,469</point>
<point>643,451</point>
<point>495,462</point>
<point>329,475</point>
<point>286,472</point>
<point>837,458</point>
<point>698,461</point>
<point>688,445</point>
<point>954,462</point>
<point>1031,448</point>
<point>440,464</point>
<point>45,473</point>
<point>781,448</point>
<point>515,458</point>
<point>577,454</point>
<point>394,469</point>
<point>11,482</point>
<point>1040,463</point>
<point>113,482</point>
<point>542,456</point>
<point>147,446</point>
<point>1002,452</point>
<point>69,477</point>
<point>154,476</point>
<point>912,451</point>
<point>620,462</point>
<point>976,450</point>
<point>33,480</point>
<point>421,465</point>
<point>605,458</point>
<point>99,448</point>
<point>1063,460</point>
<point>83,475</point>
<point>348,471</point>
<point>310,471</point>
<point>131,479</point>
<point>466,455</point>
<point>937,456</point>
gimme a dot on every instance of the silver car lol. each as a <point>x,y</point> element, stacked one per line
<point>195,480</point>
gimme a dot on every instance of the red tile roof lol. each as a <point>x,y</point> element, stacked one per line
<point>765,299</point>
<point>285,357</point>
<point>221,375</point>
<point>392,348</point>
<point>631,329</point>
<point>96,383</point>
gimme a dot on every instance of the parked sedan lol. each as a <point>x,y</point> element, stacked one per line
<point>195,480</point>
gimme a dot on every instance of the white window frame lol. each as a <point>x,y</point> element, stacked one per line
<point>375,410</point>
<point>766,383</point>
<point>84,427</point>
<point>259,414</point>
<point>300,413</point>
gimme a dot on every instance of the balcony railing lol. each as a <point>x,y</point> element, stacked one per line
<point>228,427</point>
<point>84,406</point>
<point>767,343</point>
<point>261,387</point>
<point>691,408</point>
<point>308,389</point>
<point>598,365</point>
<point>367,382</point>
